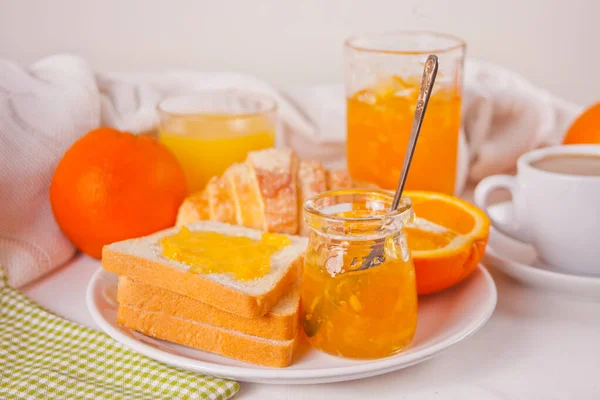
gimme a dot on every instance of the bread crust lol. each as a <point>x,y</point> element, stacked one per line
<point>276,174</point>
<point>206,337</point>
<point>312,181</point>
<point>248,205</point>
<point>220,201</point>
<point>193,208</point>
<point>338,179</point>
<point>152,298</point>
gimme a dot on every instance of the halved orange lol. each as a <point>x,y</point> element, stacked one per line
<point>447,239</point>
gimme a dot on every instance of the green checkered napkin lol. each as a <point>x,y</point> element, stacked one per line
<point>43,356</point>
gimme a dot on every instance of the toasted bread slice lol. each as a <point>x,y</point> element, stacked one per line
<point>252,349</point>
<point>312,181</point>
<point>249,209</point>
<point>281,323</point>
<point>141,259</point>
<point>276,174</point>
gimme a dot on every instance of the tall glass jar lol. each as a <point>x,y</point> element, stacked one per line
<point>382,78</point>
<point>358,291</point>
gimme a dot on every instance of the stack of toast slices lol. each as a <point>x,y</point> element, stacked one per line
<point>255,321</point>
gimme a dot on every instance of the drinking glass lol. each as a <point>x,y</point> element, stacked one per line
<point>209,131</point>
<point>382,79</point>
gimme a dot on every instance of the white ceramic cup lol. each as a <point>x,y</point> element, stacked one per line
<point>559,214</point>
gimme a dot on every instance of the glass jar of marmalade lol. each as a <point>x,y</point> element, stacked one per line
<point>358,291</point>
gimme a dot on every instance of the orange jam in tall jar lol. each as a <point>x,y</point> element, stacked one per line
<point>383,77</point>
<point>358,291</point>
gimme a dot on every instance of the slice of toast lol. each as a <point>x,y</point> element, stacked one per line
<point>276,175</point>
<point>252,349</point>
<point>141,259</point>
<point>281,323</point>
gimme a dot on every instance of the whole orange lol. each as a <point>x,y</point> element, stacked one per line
<point>113,185</point>
<point>586,128</point>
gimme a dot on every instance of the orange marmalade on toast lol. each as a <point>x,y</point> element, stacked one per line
<point>211,252</point>
<point>358,291</point>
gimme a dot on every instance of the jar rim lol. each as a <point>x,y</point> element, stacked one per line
<point>193,104</point>
<point>455,43</point>
<point>405,205</point>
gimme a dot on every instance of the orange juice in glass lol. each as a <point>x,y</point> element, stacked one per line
<point>382,78</point>
<point>210,131</point>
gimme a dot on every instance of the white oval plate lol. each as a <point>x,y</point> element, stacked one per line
<point>520,261</point>
<point>444,320</point>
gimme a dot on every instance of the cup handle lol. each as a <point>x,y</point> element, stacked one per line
<point>514,228</point>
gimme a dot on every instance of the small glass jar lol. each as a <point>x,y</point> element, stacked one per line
<point>358,291</point>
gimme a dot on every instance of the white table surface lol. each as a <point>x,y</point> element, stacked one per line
<point>537,345</point>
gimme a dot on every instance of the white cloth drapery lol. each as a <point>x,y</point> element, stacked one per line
<point>45,107</point>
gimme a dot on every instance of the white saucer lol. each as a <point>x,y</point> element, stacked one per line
<point>521,262</point>
<point>444,320</point>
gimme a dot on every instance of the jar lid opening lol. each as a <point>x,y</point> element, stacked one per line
<point>356,211</point>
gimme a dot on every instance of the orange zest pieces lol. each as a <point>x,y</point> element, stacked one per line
<point>447,239</point>
<point>210,252</point>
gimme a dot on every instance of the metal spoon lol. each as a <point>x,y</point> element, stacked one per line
<point>376,256</point>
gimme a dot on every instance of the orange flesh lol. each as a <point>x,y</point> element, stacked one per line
<point>423,240</point>
<point>447,240</point>
<point>444,214</point>
<point>211,252</point>
<point>379,124</point>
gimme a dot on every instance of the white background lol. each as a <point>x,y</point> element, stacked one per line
<point>537,345</point>
<point>293,43</point>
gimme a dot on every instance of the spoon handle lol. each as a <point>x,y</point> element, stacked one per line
<point>429,74</point>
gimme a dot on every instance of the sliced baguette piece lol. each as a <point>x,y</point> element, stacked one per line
<point>243,347</point>
<point>281,323</point>
<point>213,203</point>
<point>276,172</point>
<point>220,201</point>
<point>193,208</point>
<point>312,181</point>
<point>248,206</point>
<point>141,259</point>
<point>338,179</point>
